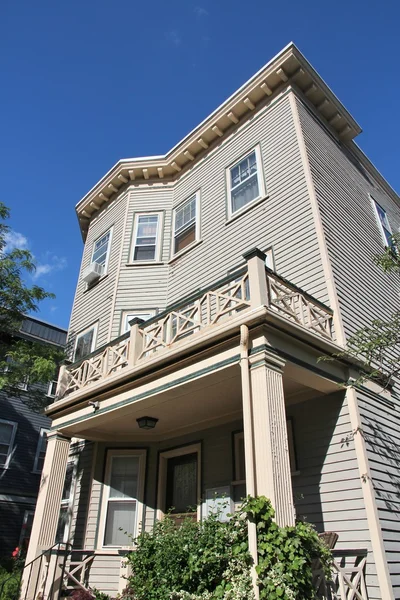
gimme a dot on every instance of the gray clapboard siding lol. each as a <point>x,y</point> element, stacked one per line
<point>343,185</point>
<point>143,286</point>
<point>283,220</point>
<point>327,489</point>
<point>381,430</point>
<point>95,304</point>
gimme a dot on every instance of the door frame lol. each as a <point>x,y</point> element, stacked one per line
<point>162,475</point>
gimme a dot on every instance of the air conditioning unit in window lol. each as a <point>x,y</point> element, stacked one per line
<point>92,272</point>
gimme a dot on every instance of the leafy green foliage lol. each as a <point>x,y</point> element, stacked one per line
<point>210,560</point>
<point>285,554</point>
<point>389,260</point>
<point>9,584</point>
<point>198,560</point>
<point>20,360</point>
<point>377,345</point>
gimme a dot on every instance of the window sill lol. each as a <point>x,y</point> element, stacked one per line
<point>246,208</point>
<point>182,252</point>
<point>144,263</point>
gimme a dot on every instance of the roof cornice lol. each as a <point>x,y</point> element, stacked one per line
<point>287,67</point>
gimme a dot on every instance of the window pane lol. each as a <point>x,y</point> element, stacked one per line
<point>5,433</point>
<point>68,482</point>
<point>62,523</point>
<point>84,344</point>
<point>182,483</point>
<point>185,215</point>
<point>185,238</point>
<point>124,477</point>
<point>128,318</point>
<point>144,253</point>
<point>121,517</point>
<point>100,249</point>
<point>245,193</point>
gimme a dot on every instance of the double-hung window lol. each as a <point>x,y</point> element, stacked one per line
<point>101,250</point>
<point>122,496</point>
<point>85,342</point>
<point>7,436</point>
<point>245,181</point>
<point>384,224</point>
<point>146,237</point>
<point>186,223</point>
<point>40,451</point>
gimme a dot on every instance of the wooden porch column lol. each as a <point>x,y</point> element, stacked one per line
<point>271,448</point>
<point>45,522</point>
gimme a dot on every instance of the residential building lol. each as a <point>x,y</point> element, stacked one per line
<point>213,279</point>
<point>23,447</point>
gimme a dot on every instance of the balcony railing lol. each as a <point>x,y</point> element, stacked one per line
<point>248,288</point>
<point>348,577</point>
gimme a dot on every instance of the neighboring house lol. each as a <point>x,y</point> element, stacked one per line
<point>196,371</point>
<point>22,448</point>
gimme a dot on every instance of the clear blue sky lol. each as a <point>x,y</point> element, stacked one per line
<point>85,83</point>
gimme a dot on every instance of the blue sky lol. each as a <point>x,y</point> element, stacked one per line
<point>85,83</point>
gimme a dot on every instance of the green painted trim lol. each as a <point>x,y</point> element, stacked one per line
<point>161,388</point>
<point>297,361</point>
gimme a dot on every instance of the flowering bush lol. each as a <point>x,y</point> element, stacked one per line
<point>209,560</point>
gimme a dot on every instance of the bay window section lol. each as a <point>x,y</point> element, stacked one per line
<point>384,224</point>
<point>85,342</point>
<point>101,251</point>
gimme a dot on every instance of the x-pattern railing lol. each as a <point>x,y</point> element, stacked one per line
<point>297,306</point>
<point>205,309</point>
<point>212,307</point>
<point>348,577</point>
<point>98,366</point>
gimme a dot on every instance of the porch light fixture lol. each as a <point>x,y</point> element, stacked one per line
<point>147,422</point>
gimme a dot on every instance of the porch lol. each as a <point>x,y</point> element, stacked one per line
<point>240,403</point>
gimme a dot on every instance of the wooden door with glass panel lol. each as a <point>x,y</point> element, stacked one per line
<point>181,487</point>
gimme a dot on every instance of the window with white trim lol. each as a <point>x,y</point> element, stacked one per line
<point>40,451</point>
<point>384,224</point>
<point>128,316</point>
<point>245,181</point>
<point>186,223</point>
<point>101,250</point>
<point>52,388</point>
<point>122,497</point>
<point>85,342</point>
<point>8,430</point>
<point>146,237</point>
<point>67,499</point>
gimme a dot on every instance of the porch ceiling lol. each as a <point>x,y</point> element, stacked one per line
<point>197,405</point>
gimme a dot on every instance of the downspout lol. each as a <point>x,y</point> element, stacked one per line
<point>248,445</point>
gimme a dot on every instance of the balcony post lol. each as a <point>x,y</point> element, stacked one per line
<point>136,341</point>
<point>62,381</point>
<point>45,522</point>
<point>257,277</point>
<point>271,448</point>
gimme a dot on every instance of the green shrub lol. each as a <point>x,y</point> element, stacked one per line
<point>210,560</point>
<point>285,554</point>
<point>198,560</point>
<point>9,584</point>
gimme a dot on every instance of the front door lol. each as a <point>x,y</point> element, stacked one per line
<point>181,492</point>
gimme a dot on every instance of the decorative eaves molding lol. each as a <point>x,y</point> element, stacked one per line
<point>288,67</point>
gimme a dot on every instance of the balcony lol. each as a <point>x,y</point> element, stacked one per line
<point>202,317</point>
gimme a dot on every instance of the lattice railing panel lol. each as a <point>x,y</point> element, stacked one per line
<point>348,578</point>
<point>211,308</point>
<point>292,303</point>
